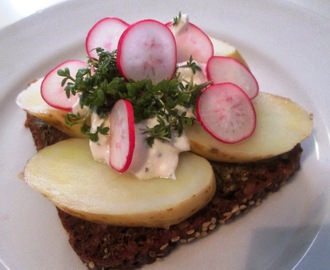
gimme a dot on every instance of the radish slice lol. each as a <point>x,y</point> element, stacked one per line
<point>147,50</point>
<point>226,112</point>
<point>105,34</point>
<point>122,135</point>
<point>192,41</point>
<point>52,91</point>
<point>222,69</point>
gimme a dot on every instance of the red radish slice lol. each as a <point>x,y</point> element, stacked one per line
<point>122,135</point>
<point>105,34</point>
<point>226,112</point>
<point>52,91</point>
<point>193,41</point>
<point>222,69</point>
<point>147,50</point>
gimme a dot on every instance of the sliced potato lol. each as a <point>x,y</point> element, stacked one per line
<point>67,175</point>
<point>31,101</point>
<point>281,124</point>
<point>222,48</point>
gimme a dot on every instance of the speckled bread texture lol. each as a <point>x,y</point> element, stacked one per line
<point>239,188</point>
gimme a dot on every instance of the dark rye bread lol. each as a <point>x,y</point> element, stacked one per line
<point>239,188</point>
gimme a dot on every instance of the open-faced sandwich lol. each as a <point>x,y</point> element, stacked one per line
<point>155,140</point>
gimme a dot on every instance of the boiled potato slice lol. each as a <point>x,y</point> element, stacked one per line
<point>67,175</point>
<point>281,124</point>
<point>31,101</point>
<point>222,48</point>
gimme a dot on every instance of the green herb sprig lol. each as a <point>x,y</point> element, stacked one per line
<point>192,64</point>
<point>176,20</point>
<point>100,85</point>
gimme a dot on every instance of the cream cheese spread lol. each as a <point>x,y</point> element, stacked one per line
<point>160,160</point>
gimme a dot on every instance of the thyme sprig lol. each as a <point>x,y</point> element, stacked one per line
<point>192,64</point>
<point>177,19</point>
<point>100,85</point>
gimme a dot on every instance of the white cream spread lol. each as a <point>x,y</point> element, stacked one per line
<point>186,74</point>
<point>161,159</point>
<point>181,26</point>
<point>101,148</point>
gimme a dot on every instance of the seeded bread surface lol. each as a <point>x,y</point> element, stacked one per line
<point>239,188</point>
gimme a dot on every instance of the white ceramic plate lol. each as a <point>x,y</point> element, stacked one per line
<point>285,45</point>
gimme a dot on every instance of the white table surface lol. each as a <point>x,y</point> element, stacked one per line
<point>12,11</point>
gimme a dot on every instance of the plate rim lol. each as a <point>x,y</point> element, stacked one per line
<point>19,26</point>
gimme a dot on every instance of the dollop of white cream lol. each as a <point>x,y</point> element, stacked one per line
<point>186,74</point>
<point>161,159</point>
<point>181,25</point>
<point>101,148</point>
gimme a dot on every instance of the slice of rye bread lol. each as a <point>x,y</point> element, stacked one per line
<point>239,188</point>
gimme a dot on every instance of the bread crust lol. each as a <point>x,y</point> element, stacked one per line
<point>240,187</point>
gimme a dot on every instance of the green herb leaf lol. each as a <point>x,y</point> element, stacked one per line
<point>193,65</point>
<point>177,19</point>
